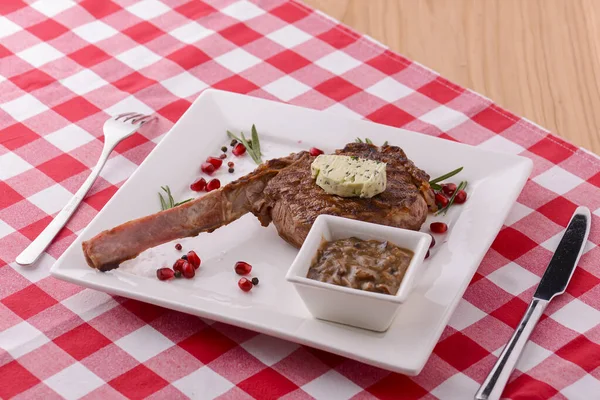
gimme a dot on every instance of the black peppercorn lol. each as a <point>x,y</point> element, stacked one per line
<point>255,281</point>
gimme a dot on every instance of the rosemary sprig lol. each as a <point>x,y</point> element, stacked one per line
<point>252,145</point>
<point>163,204</point>
<point>367,140</point>
<point>444,177</point>
<point>170,202</point>
<point>435,185</point>
<point>461,186</point>
<point>248,142</point>
<point>255,141</point>
<point>232,136</point>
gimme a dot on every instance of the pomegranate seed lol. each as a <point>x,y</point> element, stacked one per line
<point>242,268</point>
<point>245,284</point>
<point>427,255</point>
<point>178,246</point>
<point>438,227</point>
<point>187,270</point>
<point>207,168</point>
<point>216,162</point>
<point>441,200</point>
<point>315,152</point>
<point>193,259</point>
<point>239,149</point>
<point>449,188</point>
<point>460,197</point>
<point>178,266</point>
<point>164,274</point>
<point>213,184</point>
<point>198,185</point>
<point>230,164</point>
<point>223,156</point>
<point>432,241</point>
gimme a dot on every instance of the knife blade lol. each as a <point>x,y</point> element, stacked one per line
<point>563,263</point>
<point>553,283</point>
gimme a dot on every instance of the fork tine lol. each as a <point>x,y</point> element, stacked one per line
<point>143,119</point>
<point>123,115</point>
<point>152,119</point>
<point>134,116</point>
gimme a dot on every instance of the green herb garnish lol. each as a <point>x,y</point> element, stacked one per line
<point>255,141</point>
<point>367,140</point>
<point>446,176</point>
<point>461,186</point>
<point>170,202</point>
<point>252,145</point>
<point>434,183</point>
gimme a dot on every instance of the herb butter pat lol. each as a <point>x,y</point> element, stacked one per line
<point>348,176</point>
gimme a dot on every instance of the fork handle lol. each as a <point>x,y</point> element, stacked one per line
<point>496,380</point>
<point>37,247</point>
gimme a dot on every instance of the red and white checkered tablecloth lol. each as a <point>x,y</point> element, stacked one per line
<point>66,66</point>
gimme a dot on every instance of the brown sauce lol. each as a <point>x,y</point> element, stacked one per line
<point>361,264</point>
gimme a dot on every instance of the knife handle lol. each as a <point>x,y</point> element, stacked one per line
<point>494,384</point>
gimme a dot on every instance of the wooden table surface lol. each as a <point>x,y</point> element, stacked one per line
<point>538,58</point>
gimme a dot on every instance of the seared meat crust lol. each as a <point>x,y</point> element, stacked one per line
<point>281,191</point>
<point>296,201</point>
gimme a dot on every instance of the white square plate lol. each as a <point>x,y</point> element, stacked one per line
<point>274,307</point>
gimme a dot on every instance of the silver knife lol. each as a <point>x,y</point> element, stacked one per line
<point>553,283</point>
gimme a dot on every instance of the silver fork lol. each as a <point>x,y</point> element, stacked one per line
<point>115,130</point>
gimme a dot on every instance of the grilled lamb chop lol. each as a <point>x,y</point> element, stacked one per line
<point>282,191</point>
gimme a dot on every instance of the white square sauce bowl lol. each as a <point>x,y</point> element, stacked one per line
<point>349,306</point>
